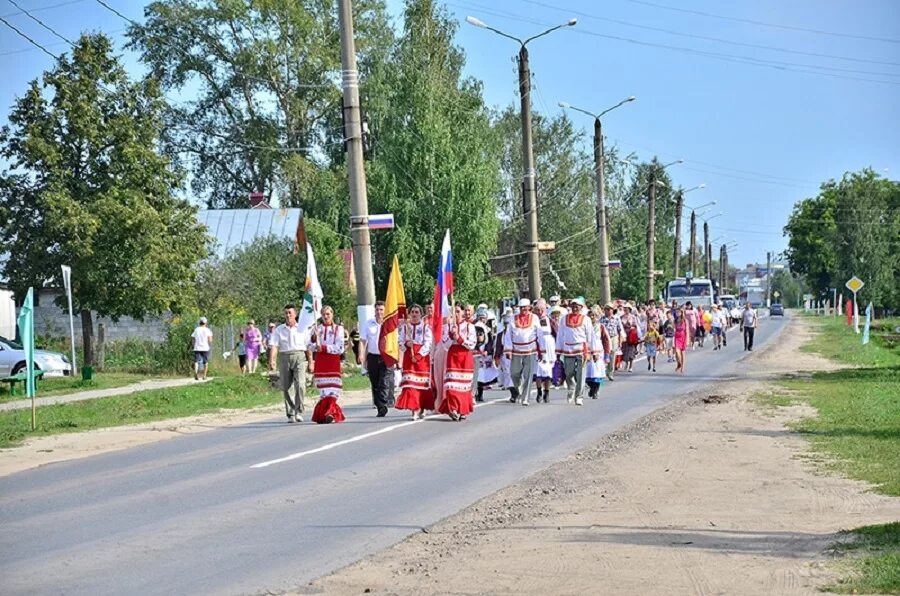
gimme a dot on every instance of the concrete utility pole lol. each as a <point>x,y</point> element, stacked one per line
<point>769,278</point>
<point>605,292</point>
<point>694,242</point>
<point>651,235</point>
<point>709,274</point>
<point>359,203</point>
<point>706,249</point>
<point>721,267</point>
<point>529,197</point>
<point>529,183</point>
<point>651,228</point>
<point>676,257</point>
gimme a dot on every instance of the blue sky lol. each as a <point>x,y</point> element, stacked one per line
<point>759,132</point>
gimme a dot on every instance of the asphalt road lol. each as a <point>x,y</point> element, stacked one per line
<point>271,506</point>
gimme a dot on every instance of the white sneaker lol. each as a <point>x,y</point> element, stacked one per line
<point>525,401</point>
<point>579,401</point>
<point>568,399</point>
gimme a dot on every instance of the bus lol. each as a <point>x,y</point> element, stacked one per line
<point>698,290</point>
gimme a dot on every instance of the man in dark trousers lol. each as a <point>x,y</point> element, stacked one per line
<point>381,377</point>
<point>749,323</point>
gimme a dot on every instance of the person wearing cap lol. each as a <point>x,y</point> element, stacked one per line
<point>269,346</point>
<point>573,345</point>
<point>522,342</point>
<point>201,343</point>
<point>616,333</point>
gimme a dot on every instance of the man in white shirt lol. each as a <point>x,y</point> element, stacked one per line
<point>381,378</point>
<point>291,345</point>
<point>523,340</point>
<point>719,323</point>
<point>749,322</point>
<point>201,342</point>
<point>573,345</point>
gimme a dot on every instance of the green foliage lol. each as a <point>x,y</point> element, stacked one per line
<point>788,286</point>
<point>263,73</point>
<point>875,560</point>
<point>435,159</point>
<point>86,188</point>
<point>851,228</point>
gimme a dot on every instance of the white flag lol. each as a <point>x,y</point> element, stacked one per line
<point>312,294</point>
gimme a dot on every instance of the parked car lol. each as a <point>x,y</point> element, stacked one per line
<point>776,310</point>
<point>12,360</point>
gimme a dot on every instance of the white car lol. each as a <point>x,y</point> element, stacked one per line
<point>12,360</point>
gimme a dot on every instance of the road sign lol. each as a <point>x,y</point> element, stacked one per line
<point>776,293</point>
<point>546,246</point>
<point>383,221</point>
<point>855,284</point>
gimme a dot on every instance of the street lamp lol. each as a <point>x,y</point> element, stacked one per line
<point>679,208</point>
<point>606,294</point>
<point>528,177</point>
<point>651,228</point>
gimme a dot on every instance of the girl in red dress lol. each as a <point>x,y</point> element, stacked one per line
<point>327,345</point>
<point>459,338</point>
<point>415,383</point>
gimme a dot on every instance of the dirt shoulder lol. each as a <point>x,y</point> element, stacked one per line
<point>701,498</point>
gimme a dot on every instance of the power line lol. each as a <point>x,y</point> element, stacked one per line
<point>734,58</point>
<point>763,23</point>
<point>39,22</point>
<point>707,38</point>
<point>31,41</point>
<point>39,8</point>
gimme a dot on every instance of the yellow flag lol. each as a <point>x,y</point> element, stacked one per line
<point>394,311</point>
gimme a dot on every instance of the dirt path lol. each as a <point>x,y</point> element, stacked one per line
<point>698,498</point>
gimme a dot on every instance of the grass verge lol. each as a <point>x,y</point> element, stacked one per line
<point>858,430</point>
<point>230,392</point>
<point>877,571</point>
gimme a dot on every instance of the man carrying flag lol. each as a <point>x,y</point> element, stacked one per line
<point>380,364</point>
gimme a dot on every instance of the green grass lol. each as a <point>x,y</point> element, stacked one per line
<point>857,429</point>
<point>50,386</point>
<point>228,392</point>
<point>875,567</point>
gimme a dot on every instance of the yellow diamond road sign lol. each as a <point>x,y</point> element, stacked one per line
<point>855,284</point>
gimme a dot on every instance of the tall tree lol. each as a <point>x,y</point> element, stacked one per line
<point>435,158</point>
<point>812,233</point>
<point>266,77</point>
<point>86,187</point>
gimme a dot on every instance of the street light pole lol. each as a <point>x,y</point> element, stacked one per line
<point>602,230</point>
<point>359,202</point>
<point>693,242</point>
<point>706,248</point>
<point>679,210</point>
<point>651,229</point>
<point>529,184</point>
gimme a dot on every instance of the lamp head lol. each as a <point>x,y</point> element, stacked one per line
<point>572,22</point>
<point>632,98</point>
<point>477,22</point>
<point>564,105</point>
<point>702,185</point>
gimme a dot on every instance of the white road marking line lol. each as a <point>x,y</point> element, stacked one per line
<point>380,431</point>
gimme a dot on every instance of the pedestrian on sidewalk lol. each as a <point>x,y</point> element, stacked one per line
<point>381,377</point>
<point>291,346</point>
<point>749,322</point>
<point>201,343</point>
<point>253,342</point>
<point>270,345</point>
<point>241,349</point>
<point>573,344</point>
<point>522,343</point>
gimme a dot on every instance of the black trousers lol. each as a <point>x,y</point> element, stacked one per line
<point>748,338</point>
<point>382,380</point>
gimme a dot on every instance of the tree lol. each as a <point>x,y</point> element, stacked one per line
<point>812,233</point>
<point>85,187</point>
<point>435,159</point>
<point>266,76</point>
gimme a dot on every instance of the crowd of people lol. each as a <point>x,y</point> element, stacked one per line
<point>526,350</point>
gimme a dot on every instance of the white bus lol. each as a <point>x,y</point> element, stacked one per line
<point>698,290</point>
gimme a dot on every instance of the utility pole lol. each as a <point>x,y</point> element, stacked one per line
<point>769,278</point>
<point>651,233</point>
<point>709,273</point>
<point>679,207</point>
<point>529,200</point>
<point>605,293</point>
<point>694,242</point>
<point>706,249</point>
<point>359,203</point>
<point>721,267</point>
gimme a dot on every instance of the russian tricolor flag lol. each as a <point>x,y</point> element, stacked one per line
<point>443,288</point>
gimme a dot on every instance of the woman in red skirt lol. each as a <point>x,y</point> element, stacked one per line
<point>327,345</point>
<point>415,383</point>
<point>459,338</point>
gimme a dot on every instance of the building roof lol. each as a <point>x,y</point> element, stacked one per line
<point>231,228</point>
